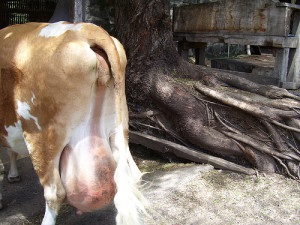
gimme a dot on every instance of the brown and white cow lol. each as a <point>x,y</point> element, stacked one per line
<point>63,101</point>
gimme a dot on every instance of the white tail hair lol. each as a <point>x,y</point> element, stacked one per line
<point>128,200</point>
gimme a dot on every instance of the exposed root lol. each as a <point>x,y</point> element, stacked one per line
<point>263,140</point>
<point>275,137</point>
<point>170,132</point>
<point>230,128</point>
<point>260,146</point>
<point>295,149</point>
<point>285,167</point>
<point>241,83</point>
<point>259,109</point>
<point>285,126</point>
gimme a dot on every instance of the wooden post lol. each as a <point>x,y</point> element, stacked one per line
<point>200,54</point>
<point>281,65</point>
<point>183,50</point>
<point>294,65</point>
<point>78,11</point>
<point>63,11</point>
<point>69,10</point>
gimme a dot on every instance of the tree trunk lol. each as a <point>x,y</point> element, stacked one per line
<point>201,108</point>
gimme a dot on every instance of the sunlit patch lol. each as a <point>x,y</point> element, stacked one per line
<point>24,53</point>
<point>57,29</point>
<point>23,111</point>
<point>8,35</point>
<point>28,145</point>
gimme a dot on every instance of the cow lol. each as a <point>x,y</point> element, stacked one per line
<point>63,102</point>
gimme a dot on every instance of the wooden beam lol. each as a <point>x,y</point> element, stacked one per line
<point>243,39</point>
<point>164,146</point>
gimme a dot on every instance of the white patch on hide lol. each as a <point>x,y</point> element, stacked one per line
<point>23,111</point>
<point>15,138</point>
<point>57,29</point>
<point>32,98</point>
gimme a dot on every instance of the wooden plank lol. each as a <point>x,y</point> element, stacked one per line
<point>243,39</point>
<point>290,85</point>
<point>279,21</point>
<point>165,146</point>
<point>233,16</point>
<point>267,80</point>
<point>289,5</point>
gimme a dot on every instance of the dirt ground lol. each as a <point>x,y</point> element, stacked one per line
<point>178,194</point>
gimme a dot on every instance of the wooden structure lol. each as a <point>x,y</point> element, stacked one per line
<point>69,10</point>
<point>23,11</point>
<point>257,22</point>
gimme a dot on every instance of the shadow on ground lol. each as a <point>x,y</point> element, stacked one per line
<point>24,203</point>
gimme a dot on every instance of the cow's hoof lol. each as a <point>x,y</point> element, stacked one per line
<point>14,179</point>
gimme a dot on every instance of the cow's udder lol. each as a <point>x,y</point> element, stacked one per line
<point>87,174</point>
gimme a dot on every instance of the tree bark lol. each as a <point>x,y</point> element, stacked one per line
<point>199,107</point>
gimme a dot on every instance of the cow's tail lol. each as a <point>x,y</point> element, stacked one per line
<point>98,38</point>
<point>129,200</point>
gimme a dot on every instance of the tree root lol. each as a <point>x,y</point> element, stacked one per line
<point>275,137</point>
<point>197,123</point>
<point>260,110</point>
<point>286,152</point>
<point>260,146</point>
<point>216,77</point>
<point>285,167</point>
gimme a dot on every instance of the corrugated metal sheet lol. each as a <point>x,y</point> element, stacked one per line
<point>23,11</point>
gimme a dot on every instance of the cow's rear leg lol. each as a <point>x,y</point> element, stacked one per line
<point>54,194</point>
<point>45,158</point>
<point>13,174</point>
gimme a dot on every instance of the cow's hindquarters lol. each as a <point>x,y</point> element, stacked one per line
<point>50,77</point>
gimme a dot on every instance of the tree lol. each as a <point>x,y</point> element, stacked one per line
<point>197,112</point>
<point>198,107</point>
